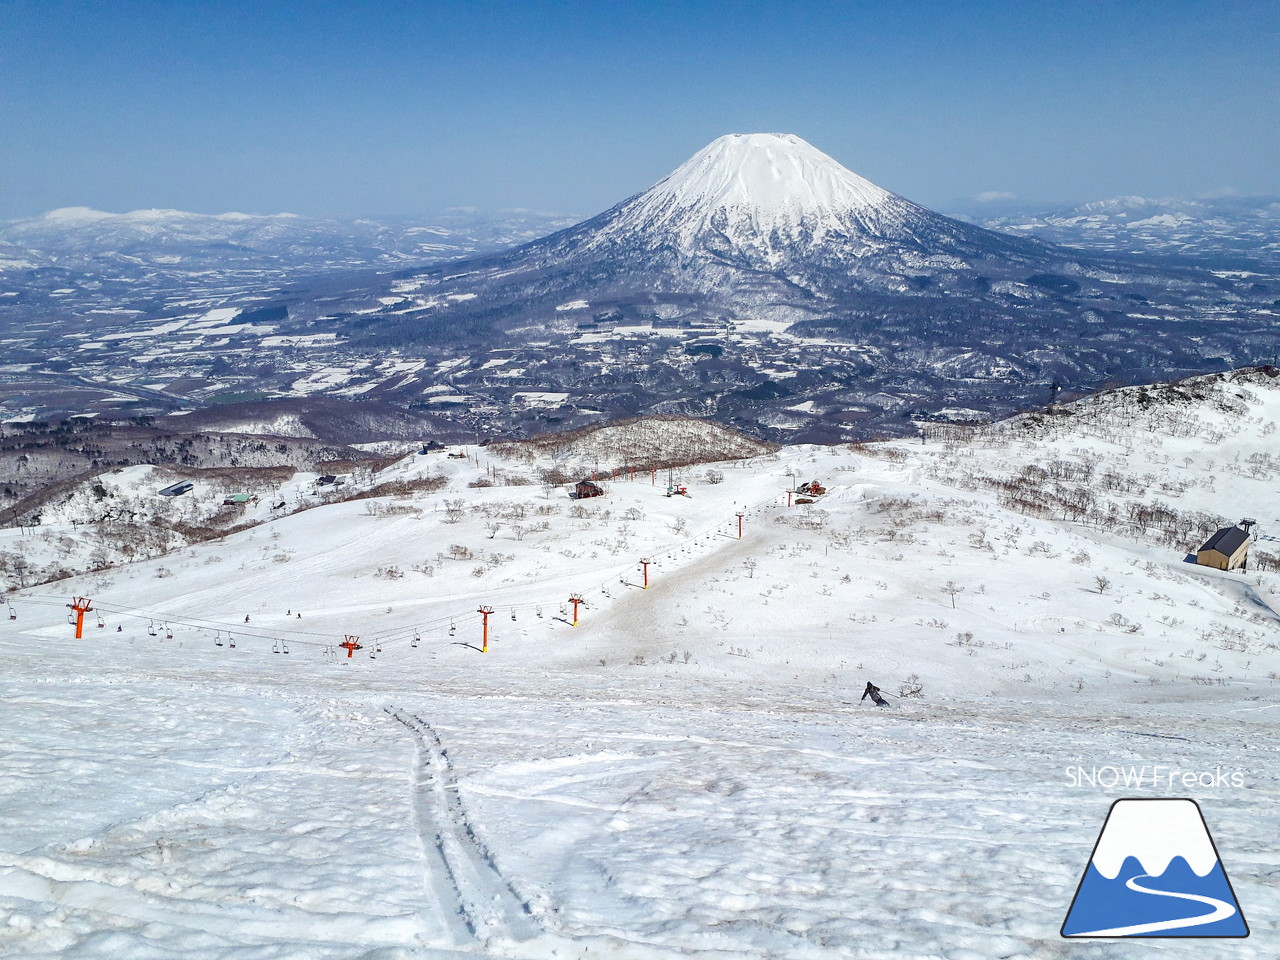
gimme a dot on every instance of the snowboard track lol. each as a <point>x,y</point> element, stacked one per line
<point>476,900</point>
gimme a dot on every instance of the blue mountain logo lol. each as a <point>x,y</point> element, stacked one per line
<point>1155,873</point>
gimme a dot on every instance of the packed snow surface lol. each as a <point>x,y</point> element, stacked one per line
<point>688,771</point>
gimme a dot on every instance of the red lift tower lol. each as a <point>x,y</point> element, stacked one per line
<point>484,612</point>
<point>644,565</point>
<point>575,599</point>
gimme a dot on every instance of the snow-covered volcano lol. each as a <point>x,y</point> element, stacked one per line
<point>757,224</point>
<point>775,195</point>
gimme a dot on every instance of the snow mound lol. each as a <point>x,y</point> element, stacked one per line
<point>282,425</point>
<point>668,440</point>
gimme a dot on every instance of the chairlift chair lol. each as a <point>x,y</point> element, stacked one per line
<point>168,632</point>
<point>275,647</point>
<point>151,628</point>
<point>284,647</point>
<point>217,638</point>
<point>453,629</point>
<point>232,640</point>
<point>101,623</point>
<point>13,614</point>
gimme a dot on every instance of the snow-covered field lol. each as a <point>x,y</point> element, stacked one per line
<point>686,772</point>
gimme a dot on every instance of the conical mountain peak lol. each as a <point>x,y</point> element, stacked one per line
<point>755,191</point>
<point>773,172</point>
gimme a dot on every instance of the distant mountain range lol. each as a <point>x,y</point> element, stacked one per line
<point>177,243</point>
<point>1216,231</point>
<point>760,283</point>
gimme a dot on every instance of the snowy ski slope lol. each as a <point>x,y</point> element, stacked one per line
<point>686,773</point>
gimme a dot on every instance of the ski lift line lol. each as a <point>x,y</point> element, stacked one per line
<point>237,629</point>
<point>201,625</point>
<point>198,624</point>
<point>206,624</point>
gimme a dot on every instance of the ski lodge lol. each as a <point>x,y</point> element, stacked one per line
<point>1228,549</point>
<point>585,489</point>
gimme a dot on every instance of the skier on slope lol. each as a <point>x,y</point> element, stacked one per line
<point>873,692</point>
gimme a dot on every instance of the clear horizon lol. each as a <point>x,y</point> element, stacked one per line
<point>405,109</point>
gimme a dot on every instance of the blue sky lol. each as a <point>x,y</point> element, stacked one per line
<point>406,108</point>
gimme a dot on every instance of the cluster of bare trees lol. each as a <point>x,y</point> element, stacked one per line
<point>1262,560</point>
<point>398,488</point>
<point>1032,493</point>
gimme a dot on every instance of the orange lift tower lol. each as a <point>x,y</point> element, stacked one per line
<point>81,605</point>
<point>644,565</point>
<point>351,644</point>
<point>484,612</point>
<point>740,516</point>
<point>575,599</point>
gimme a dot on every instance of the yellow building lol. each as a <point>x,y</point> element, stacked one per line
<point>1225,550</point>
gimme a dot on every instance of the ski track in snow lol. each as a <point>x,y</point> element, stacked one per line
<point>458,867</point>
